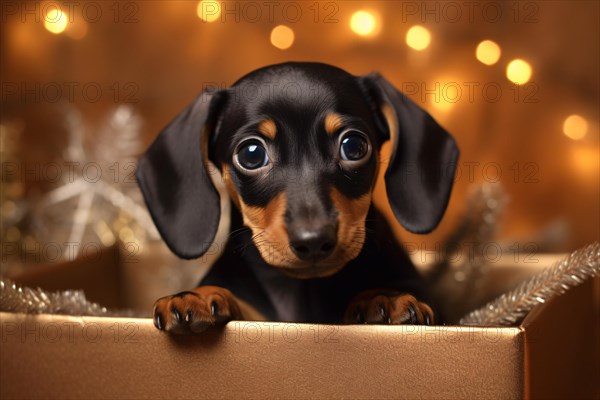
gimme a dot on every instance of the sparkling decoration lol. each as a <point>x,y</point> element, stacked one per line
<point>101,186</point>
<point>480,225</point>
<point>17,299</point>
<point>510,308</point>
<point>461,267</point>
<point>463,263</point>
<point>93,203</point>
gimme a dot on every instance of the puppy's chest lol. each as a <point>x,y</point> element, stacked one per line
<point>319,300</point>
<point>288,299</point>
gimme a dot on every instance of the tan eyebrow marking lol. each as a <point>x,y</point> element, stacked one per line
<point>333,122</point>
<point>268,128</point>
<point>390,117</point>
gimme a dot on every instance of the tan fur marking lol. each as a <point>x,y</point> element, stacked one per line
<point>230,186</point>
<point>269,231</point>
<point>268,128</point>
<point>204,139</point>
<point>390,117</point>
<point>351,225</point>
<point>333,122</point>
<point>271,238</point>
<point>351,236</point>
<point>351,210</point>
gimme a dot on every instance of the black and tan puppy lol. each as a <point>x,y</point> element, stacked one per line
<point>297,146</point>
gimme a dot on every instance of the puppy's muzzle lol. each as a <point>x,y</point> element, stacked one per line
<point>312,242</point>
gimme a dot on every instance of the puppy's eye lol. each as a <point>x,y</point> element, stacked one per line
<point>252,155</point>
<point>353,147</point>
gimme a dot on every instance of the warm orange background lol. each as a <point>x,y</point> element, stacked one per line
<point>165,54</point>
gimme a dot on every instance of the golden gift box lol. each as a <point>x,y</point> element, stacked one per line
<point>553,353</point>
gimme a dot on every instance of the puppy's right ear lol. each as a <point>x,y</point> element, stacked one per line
<point>173,176</point>
<point>420,174</point>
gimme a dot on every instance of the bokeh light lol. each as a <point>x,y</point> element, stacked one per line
<point>447,94</point>
<point>364,23</point>
<point>575,127</point>
<point>77,29</point>
<point>55,21</point>
<point>282,37</point>
<point>488,52</point>
<point>209,10</point>
<point>585,162</point>
<point>518,71</point>
<point>418,37</point>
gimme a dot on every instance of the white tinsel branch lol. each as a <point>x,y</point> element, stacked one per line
<point>511,307</point>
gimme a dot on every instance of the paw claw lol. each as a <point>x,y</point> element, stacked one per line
<point>359,317</point>
<point>412,314</point>
<point>157,322</point>
<point>177,314</point>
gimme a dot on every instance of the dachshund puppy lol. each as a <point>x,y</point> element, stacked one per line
<point>297,147</point>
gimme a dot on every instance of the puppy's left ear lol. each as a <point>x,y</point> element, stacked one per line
<point>420,174</point>
<point>175,182</point>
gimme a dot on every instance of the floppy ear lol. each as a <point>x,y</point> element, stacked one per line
<point>420,174</point>
<point>178,191</point>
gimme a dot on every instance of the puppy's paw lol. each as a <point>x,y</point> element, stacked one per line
<point>195,311</point>
<point>379,307</point>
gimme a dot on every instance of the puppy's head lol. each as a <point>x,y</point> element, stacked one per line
<point>298,146</point>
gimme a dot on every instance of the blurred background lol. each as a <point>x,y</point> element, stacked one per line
<point>86,86</point>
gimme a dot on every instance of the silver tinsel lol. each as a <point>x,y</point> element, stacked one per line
<point>510,308</point>
<point>462,265</point>
<point>17,299</point>
<point>479,225</point>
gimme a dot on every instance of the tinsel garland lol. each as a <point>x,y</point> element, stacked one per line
<point>478,227</point>
<point>510,308</point>
<point>17,299</point>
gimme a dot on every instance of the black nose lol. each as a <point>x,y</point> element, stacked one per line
<point>313,244</point>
